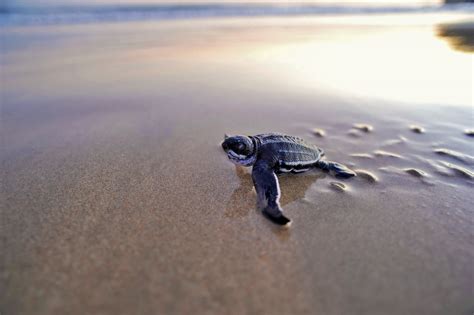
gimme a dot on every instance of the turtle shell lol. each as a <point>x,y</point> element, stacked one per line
<point>291,154</point>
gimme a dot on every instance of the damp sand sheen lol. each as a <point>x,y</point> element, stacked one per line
<point>118,199</point>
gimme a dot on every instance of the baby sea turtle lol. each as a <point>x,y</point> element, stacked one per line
<point>272,154</point>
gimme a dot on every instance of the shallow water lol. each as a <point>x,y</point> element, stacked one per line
<point>119,199</point>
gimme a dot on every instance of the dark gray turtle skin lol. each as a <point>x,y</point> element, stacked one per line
<point>272,154</point>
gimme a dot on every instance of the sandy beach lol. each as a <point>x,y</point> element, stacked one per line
<point>118,199</point>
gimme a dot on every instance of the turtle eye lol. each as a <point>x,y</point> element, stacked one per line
<point>240,147</point>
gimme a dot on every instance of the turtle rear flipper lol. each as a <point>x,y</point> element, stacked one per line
<point>339,170</point>
<point>268,192</point>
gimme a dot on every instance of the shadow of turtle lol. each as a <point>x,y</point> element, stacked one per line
<point>244,199</point>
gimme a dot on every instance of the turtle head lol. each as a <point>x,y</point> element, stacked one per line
<point>240,150</point>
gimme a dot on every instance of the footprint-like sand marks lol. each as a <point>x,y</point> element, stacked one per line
<point>366,175</point>
<point>440,167</point>
<point>392,142</point>
<point>449,169</point>
<point>338,186</point>
<point>459,170</point>
<point>319,132</point>
<point>386,154</point>
<point>377,153</point>
<point>363,127</point>
<point>362,155</point>
<point>465,158</point>
<point>423,176</point>
<point>415,172</point>
<point>354,133</point>
<point>357,130</point>
<point>417,129</point>
<point>469,132</point>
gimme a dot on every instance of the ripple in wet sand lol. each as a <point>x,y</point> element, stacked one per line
<point>455,155</point>
<point>319,132</point>
<point>363,127</point>
<point>366,175</point>
<point>381,153</point>
<point>459,170</point>
<point>337,186</point>
<point>362,155</point>
<point>353,133</point>
<point>422,175</point>
<point>390,142</point>
<point>417,129</point>
<point>415,172</point>
<point>437,167</point>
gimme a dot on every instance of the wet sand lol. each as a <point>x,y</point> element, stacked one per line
<point>117,198</point>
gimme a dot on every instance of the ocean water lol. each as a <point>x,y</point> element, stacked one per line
<point>20,15</point>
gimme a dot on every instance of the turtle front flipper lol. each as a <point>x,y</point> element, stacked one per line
<point>339,170</point>
<point>268,192</point>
